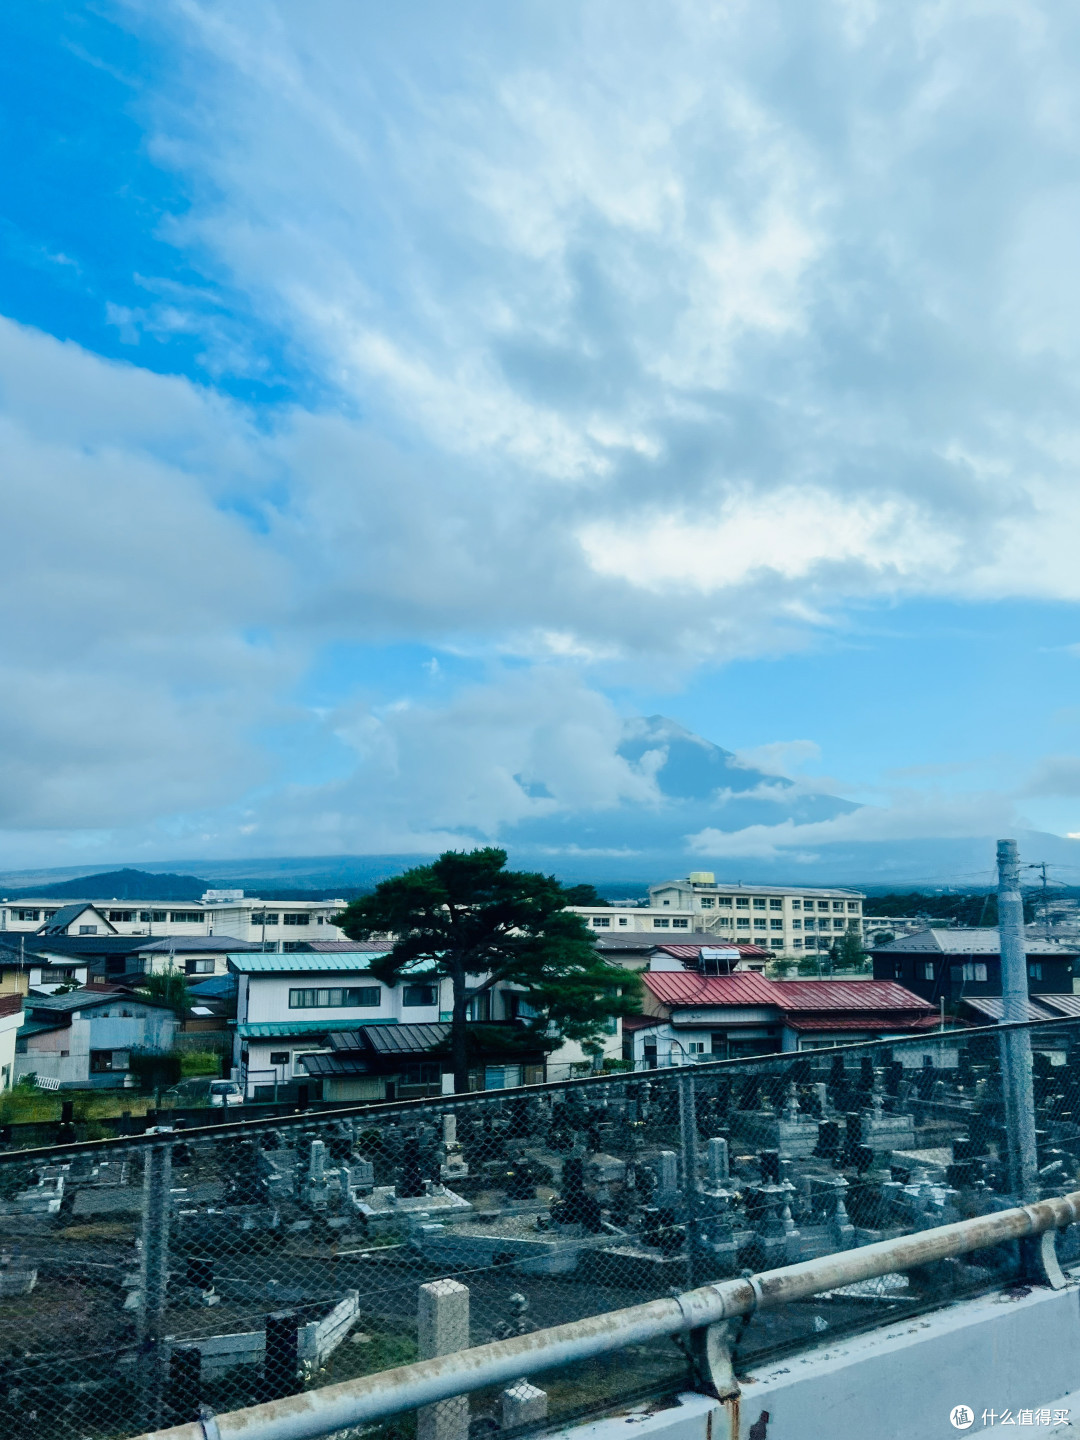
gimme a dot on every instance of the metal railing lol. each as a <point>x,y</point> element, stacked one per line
<point>142,1278</point>
<point>356,1403</point>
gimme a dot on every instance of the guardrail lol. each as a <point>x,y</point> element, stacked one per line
<point>323,1412</point>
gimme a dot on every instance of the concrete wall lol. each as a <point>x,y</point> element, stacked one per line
<point>9,1029</point>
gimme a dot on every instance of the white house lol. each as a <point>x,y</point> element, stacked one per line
<point>11,1019</point>
<point>288,1004</point>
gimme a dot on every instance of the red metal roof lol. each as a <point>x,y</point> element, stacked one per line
<point>831,1022</point>
<point>790,996</point>
<point>687,987</point>
<point>640,1022</point>
<point>847,995</point>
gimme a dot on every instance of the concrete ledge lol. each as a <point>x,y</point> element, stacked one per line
<point>1000,1352</point>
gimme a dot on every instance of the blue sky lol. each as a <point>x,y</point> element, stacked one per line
<point>396,400</point>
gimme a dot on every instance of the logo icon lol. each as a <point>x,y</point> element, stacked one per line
<point>962,1417</point>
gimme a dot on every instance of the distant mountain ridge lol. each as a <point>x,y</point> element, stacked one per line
<point>691,785</point>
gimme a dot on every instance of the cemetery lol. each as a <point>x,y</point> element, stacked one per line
<point>140,1279</point>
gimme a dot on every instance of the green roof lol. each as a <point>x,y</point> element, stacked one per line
<point>298,962</point>
<point>268,1029</point>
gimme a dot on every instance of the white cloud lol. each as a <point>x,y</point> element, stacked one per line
<point>130,678</point>
<point>910,816</point>
<point>780,757</point>
<point>637,345</point>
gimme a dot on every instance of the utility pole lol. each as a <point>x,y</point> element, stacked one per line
<point>1016,1042</point>
<point>1041,865</point>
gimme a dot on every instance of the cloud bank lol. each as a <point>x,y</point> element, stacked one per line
<point>657,335</point>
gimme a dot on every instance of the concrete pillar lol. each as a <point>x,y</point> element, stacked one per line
<point>1016,1044</point>
<point>522,1404</point>
<point>443,1328</point>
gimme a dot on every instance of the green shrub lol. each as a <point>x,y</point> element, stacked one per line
<point>155,1071</point>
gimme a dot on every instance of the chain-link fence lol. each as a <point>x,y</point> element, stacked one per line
<point>141,1278</point>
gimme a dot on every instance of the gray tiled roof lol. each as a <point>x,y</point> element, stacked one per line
<point>983,941</point>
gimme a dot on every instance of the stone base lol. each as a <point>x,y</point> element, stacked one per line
<point>522,1404</point>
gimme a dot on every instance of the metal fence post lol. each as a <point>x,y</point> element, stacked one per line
<point>154,1278</point>
<point>1016,1044</point>
<point>691,1182</point>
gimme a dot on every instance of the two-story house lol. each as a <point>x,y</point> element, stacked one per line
<point>320,1018</point>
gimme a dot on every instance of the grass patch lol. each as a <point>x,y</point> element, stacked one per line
<point>200,1062</point>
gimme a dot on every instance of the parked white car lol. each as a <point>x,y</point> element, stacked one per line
<point>225,1092</point>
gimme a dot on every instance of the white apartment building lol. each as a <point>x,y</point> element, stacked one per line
<point>282,924</point>
<point>786,919</point>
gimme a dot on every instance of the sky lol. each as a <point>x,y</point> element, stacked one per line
<point>398,401</point>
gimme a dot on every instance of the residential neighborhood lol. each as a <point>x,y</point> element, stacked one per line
<point>722,968</point>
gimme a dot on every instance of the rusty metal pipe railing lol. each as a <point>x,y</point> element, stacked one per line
<point>321,1412</point>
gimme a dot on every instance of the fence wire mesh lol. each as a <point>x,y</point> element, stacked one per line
<point>143,1278</point>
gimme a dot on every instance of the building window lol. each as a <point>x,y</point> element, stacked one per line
<point>152,917</point>
<point>724,901</point>
<point>742,904</point>
<point>706,902</point>
<point>776,924</point>
<point>422,1072</point>
<point>823,904</point>
<point>838,905</point>
<point>53,975</point>
<point>27,915</point>
<point>680,924</point>
<point>724,923</point>
<point>279,1057</point>
<point>810,924</point>
<point>107,1062</point>
<point>264,917</point>
<point>742,924</point>
<point>198,967</point>
<point>336,997</point>
<point>776,904</point>
<point>796,924</point>
<point>759,904</point>
<point>796,904</point>
<point>418,995</point>
<point>291,918</point>
<point>761,924</point>
<point>121,915</point>
<point>87,929</point>
<point>601,922</point>
<point>853,905</point>
<point>1034,969</point>
<point>975,971</point>
<point>838,925</point>
<point>796,944</point>
<point>695,1047</point>
<point>927,970</point>
<point>623,920</point>
<point>661,924</point>
<point>667,902</point>
<point>186,917</point>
